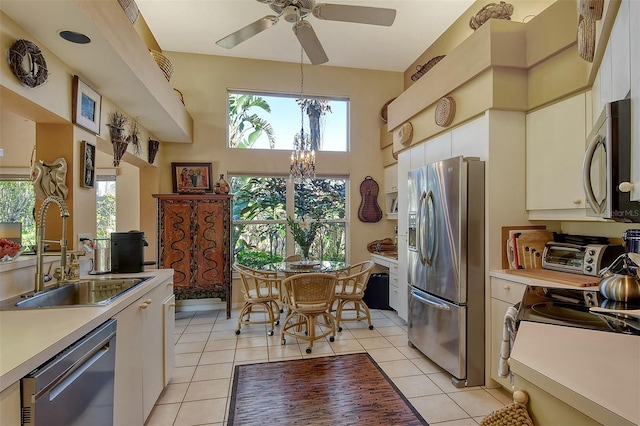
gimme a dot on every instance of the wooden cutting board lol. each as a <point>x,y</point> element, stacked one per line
<point>558,277</point>
<point>530,248</point>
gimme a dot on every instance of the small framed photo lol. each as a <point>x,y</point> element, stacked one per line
<point>191,177</point>
<point>86,106</point>
<point>88,164</point>
<point>394,206</point>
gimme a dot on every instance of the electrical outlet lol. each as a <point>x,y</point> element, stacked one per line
<point>80,245</point>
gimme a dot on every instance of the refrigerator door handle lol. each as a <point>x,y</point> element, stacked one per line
<point>429,301</point>
<point>431,226</point>
<point>420,228</point>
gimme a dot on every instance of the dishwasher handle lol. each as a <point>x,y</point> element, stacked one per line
<point>72,372</point>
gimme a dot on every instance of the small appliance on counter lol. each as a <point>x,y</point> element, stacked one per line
<point>127,252</point>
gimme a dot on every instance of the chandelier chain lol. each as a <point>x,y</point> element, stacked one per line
<point>301,91</point>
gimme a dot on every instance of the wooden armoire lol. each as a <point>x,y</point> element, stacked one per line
<point>194,238</point>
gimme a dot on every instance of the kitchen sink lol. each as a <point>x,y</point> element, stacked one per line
<point>92,292</point>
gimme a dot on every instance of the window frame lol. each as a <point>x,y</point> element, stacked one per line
<point>290,245</point>
<point>337,98</point>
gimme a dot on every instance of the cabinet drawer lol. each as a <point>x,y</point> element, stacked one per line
<point>393,268</point>
<point>394,296</point>
<point>507,291</point>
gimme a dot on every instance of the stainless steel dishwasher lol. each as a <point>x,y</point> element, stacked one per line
<point>76,386</point>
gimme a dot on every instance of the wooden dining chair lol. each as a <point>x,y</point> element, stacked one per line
<point>309,297</point>
<point>261,289</point>
<point>352,283</point>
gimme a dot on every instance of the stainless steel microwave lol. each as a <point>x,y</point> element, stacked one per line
<point>606,168</point>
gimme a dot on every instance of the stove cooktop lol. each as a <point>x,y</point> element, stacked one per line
<point>582,308</point>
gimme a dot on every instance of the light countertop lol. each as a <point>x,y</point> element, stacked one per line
<point>30,337</point>
<point>596,372</point>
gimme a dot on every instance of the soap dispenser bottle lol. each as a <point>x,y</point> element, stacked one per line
<point>74,267</point>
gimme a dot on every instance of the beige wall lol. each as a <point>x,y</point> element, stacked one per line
<point>204,81</point>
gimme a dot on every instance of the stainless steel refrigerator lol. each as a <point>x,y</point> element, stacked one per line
<point>446,266</point>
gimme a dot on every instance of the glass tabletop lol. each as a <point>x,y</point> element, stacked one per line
<point>301,267</point>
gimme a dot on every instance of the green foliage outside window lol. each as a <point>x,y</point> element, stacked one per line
<point>17,201</point>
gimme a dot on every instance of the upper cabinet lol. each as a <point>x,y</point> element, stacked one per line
<point>556,138</point>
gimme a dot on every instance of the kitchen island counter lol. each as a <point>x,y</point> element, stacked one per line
<point>30,337</point>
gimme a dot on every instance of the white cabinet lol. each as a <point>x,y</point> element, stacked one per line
<point>10,405</point>
<point>555,146</point>
<point>394,294</point>
<point>391,191</point>
<point>140,355</point>
<point>503,295</point>
<point>169,315</point>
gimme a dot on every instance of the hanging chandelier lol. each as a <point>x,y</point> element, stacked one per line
<point>303,157</point>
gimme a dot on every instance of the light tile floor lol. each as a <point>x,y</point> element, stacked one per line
<point>207,349</point>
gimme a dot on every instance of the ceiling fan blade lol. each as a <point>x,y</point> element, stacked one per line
<point>247,32</point>
<point>309,42</point>
<point>358,14</point>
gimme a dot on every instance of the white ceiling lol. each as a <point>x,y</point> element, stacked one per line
<point>194,26</point>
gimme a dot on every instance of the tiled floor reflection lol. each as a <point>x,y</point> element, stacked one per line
<point>207,349</point>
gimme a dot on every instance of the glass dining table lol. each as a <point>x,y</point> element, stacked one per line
<point>301,267</point>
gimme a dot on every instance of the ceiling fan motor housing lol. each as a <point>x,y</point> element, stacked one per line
<point>292,10</point>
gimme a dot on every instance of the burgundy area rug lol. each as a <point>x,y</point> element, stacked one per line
<point>335,390</point>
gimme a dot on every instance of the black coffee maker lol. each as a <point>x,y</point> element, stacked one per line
<point>127,252</point>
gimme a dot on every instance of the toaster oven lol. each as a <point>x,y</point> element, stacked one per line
<point>586,259</point>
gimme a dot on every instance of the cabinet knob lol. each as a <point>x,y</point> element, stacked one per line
<point>148,301</point>
<point>625,186</point>
<point>507,287</point>
<point>520,397</point>
<point>172,304</point>
<point>577,201</point>
<point>143,305</point>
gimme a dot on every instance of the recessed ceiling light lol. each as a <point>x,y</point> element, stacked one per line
<point>74,37</point>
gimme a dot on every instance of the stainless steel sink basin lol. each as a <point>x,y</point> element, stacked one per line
<point>94,292</point>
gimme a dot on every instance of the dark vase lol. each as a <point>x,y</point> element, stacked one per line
<point>221,186</point>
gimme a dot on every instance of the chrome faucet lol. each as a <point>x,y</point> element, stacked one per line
<point>41,278</point>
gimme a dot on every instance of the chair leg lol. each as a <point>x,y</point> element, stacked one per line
<point>311,331</point>
<point>339,314</point>
<point>365,310</point>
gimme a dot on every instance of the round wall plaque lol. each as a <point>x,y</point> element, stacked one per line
<point>445,111</point>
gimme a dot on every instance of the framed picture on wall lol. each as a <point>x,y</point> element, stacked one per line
<point>191,177</point>
<point>88,164</point>
<point>86,106</point>
<point>394,206</point>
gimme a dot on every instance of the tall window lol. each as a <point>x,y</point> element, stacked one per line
<point>17,201</point>
<point>270,121</point>
<point>261,206</point>
<point>105,205</point>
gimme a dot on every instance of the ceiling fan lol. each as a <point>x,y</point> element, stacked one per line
<point>295,11</point>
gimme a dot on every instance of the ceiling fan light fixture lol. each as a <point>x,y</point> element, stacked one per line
<point>303,157</point>
<point>291,14</point>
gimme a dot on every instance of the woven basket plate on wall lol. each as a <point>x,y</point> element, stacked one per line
<point>164,63</point>
<point>445,111</point>
<point>586,39</point>
<point>591,9</point>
